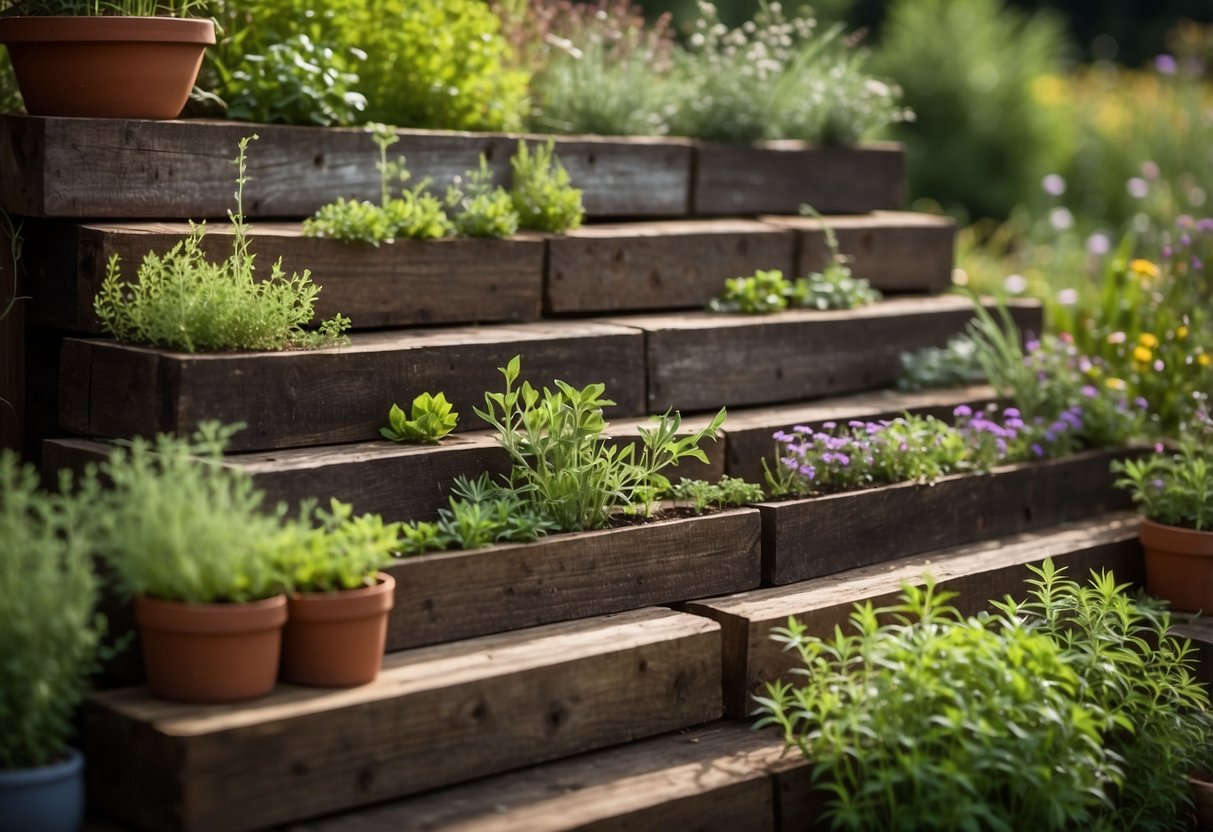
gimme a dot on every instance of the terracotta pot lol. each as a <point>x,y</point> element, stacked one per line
<point>211,652</point>
<point>1179,565</point>
<point>106,66</point>
<point>48,798</point>
<point>336,639</point>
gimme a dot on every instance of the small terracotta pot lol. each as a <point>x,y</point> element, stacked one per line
<point>211,652</point>
<point>336,639</point>
<point>1179,565</point>
<point>106,66</point>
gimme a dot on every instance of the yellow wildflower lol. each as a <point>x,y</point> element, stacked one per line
<point>1181,333</point>
<point>1204,359</point>
<point>1116,384</point>
<point>1144,268</point>
<point>1049,90</point>
<point>1147,340</point>
<point>1142,355</point>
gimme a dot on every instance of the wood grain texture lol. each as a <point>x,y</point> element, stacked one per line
<point>895,251</point>
<point>93,168</point>
<point>446,596</point>
<point>718,777</point>
<point>435,716</point>
<point>698,361</point>
<point>398,481</point>
<point>340,394</point>
<point>749,431</point>
<point>979,572</point>
<point>804,539</point>
<point>778,177</point>
<point>410,282</point>
<point>658,265</point>
<point>13,314</point>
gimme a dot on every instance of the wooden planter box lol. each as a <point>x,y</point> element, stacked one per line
<point>697,361</point>
<point>126,169</point>
<point>980,572</point>
<point>778,177</point>
<point>808,538</point>
<point>447,596</point>
<point>407,283</point>
<point>339,394</point>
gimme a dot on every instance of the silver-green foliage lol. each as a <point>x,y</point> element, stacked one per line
<point>933,721</point>
<point>954,365</point>
<point>542,194</point>
<point>562,465</point>
<point>182,300</point>
<point>178,525</point>
<point>50,632</point>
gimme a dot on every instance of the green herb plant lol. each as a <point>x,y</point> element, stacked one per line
<point>479,513</point>
<point>1174,488</point>
<point>834,287</point>
<point>430,418</point>
<point>563,468</point>
<point>765,291</point>
<point>49,626</point>
<point>921,719</point>
<point>1156,724</point>
<point>94,8</point>
<point>414,214</point>
<point>728,491</point>
<point>184,301</point>
<point>178,525</point>
<point>330,551</point>
<point>954,365</point>
<point>478,208</point>
<point>543,196</point>
<point>295,81</point>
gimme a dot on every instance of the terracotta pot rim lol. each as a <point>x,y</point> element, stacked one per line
<point>179,616</point>
<point>106,29</point>
<point>362,602</point>
<point>1177,539</point>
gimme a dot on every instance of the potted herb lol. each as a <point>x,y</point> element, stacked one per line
<point>1175,494</point>
<point>339,601</point>
<point>111,59</point>
<point>186,537</point>
<point>50,634</point>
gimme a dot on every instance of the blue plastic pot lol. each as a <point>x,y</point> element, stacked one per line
<point>47,799</point>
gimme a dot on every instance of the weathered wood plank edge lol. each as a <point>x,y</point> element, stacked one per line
<point>978,571</point>
<point>813,537</point>
<point>435,716</point>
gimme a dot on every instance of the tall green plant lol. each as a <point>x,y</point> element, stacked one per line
<point>49,627</point>
<point>562,466</point>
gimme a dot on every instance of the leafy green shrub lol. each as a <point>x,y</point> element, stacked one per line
<point>296,81</point>
<point>933,721</point>
<point>48,622</point>
<point>415,214</point>
<point>979,139</point>
<point>954,365</point>
<point>767,290</point>
<point>435,63</point>
<point>542,195</point>
<point>1157,726</point>
<point>329,551</point>
<point>478,208</point>
<point>180,526</point>
<point>562,467</point>
<point>430,419</point>
<point>1173,488</point>
<point>729,491</point>
<point>184,301</point>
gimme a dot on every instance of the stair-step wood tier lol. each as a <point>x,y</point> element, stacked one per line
<point>808,538</point>
<point>340,394</point>
<point>435,716</point>
<point>979,572</point>
<point>709,779</point>
<point>129,169</point>
<point>678,264</point>
<point>411,481</point>
<point>698,360</point>
<point>1197,629</point>
<point>778,177</point>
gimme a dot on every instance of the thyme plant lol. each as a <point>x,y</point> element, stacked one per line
<point>184,301</point>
